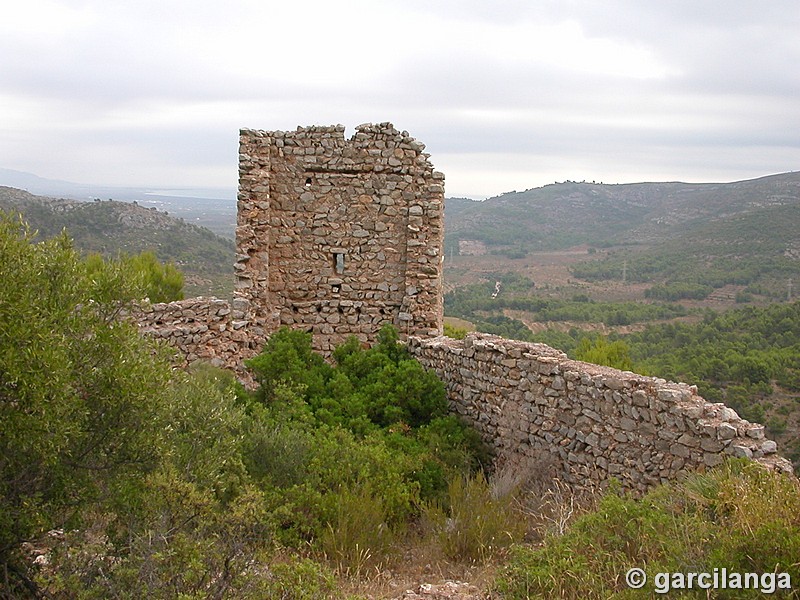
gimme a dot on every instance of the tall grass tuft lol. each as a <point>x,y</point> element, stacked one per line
<point>740,517</point>
<point>479,520</point>
<point>358,538</point>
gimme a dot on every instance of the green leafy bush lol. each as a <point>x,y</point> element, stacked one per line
<point>77,387</point>
<point>300,579</point>
<point>365,441</point>
<point>383,386</point>
<point>177,542</point>
<point>288,360</point>
<point>601,351</point>
<point>457,333</point>
<point>127,473</point>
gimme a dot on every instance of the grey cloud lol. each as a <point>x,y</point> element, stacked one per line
<point>730,86</point>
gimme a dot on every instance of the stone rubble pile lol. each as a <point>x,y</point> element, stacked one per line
<point>449,590</point>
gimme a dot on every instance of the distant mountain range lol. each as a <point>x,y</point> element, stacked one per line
<point>214,208</point>
<point>702,234</point>
<point>110,227</point>
<point>566,214</point>
<point>710,234</point>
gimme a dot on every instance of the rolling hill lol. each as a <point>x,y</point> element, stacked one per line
<point>110,227</point>
<point>702,234</point>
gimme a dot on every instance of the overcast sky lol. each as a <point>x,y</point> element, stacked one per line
<point>505,94</point>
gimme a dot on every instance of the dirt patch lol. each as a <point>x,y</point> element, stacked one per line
<point>550,272</point>
<point>459,323</point>
<point>564,326</point>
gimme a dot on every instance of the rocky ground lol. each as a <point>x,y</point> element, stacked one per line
<point>449,590</point>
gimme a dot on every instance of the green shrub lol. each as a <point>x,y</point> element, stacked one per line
<point>601,351</point>
<point>304,486</point>
<point>458,447</point>
<point>740,517</point>
<point>81,394</point>
<point>391,385</point>
<point>759,518</point>
<point>178,541</point>
<point>457,333</point>
<point>382,386</point>
<point>288,360</point>
<point>161,282</point>
<point>376,422</point>
<point>299,579</point>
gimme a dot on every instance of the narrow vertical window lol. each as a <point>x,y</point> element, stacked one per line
<point>338,262</point>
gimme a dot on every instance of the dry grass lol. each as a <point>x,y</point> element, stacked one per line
<point>537,502</point>
<point>545,502</point>
<point>419,559</point>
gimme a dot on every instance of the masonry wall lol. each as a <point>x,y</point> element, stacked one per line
<point>209,330</point>
<point>338,236</point>
<point>534,405</point>
<point>530,402</point>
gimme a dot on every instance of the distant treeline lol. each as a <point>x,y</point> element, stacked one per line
<point>753,250</point>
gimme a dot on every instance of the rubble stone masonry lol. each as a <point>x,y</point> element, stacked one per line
<point>536,406</point>
<point>209,330</point>
<point>338,236</point>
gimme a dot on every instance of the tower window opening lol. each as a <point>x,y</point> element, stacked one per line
<point>338,262</point>
<point>308,182</point>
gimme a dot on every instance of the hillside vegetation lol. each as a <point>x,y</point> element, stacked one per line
<point>738,520</point>
<point>477,303</point>
<point>695,237</point>
<point>121,477</point>
<point>759,249</point>
<point>111,228</point>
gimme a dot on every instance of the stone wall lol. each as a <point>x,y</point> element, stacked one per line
<point>533,404</point>
<point>205,329</point>
<point>338,236</point>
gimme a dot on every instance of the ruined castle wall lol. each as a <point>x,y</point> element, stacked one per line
<point>530,402</point>
<point>338,236</point>
<point>533,404</point>
<point>204,329</point>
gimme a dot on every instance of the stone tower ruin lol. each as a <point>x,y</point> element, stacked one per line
<point>339,236</point>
